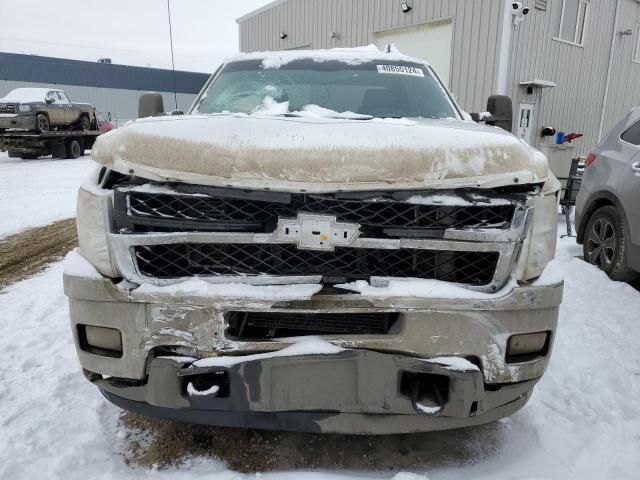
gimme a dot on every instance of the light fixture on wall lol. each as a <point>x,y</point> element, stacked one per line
<point>406,8</point>
<point>283,35</point>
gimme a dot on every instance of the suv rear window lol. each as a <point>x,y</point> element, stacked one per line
<point>632,135</point>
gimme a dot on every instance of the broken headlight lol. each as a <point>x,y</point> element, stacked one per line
<point>94,214</point>
<point>539,248</point>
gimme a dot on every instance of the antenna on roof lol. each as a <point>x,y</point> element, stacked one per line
<point>173,64</point>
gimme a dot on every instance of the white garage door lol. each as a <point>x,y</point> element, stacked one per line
<point>429,41</point>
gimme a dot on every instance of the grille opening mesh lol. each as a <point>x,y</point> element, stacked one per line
<point>187,259</point>
<point>144,212</point>
<point>262,325</point>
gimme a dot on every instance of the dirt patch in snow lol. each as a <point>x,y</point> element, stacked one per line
<point>29,252</point>
<point>167,444</point>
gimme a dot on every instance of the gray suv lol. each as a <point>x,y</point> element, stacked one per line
<point>607,214</point>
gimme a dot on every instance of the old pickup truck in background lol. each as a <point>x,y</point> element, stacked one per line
<point>43,110</point>
<point>325,242</point>
<point>36,122</point>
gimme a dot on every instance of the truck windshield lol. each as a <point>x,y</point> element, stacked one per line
<point>380,89</point>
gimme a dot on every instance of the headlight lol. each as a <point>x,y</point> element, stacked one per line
<point>24,108</point>
<point>94,214</point>
<point>539,247</point>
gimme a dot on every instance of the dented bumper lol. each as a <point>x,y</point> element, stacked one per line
<point>356,391</point>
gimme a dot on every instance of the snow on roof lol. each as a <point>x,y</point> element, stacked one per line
<point>29,94</point>
<point>350,56</point>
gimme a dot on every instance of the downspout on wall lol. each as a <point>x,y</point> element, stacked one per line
<point>609,70</point>
<point>505,49</point>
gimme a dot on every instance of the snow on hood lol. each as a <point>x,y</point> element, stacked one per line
<point>316,154</point>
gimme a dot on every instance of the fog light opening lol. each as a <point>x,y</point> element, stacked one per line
<point>212,385</point>
<point>527,347</point>
<point>102,341</point>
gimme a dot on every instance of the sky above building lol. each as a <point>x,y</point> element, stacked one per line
<point>131,32</point>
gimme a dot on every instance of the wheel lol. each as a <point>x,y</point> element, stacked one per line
<point>85,123</point>
<point>605,244</point>
<point>42,123</point>
<point>74,149</point>
<point>13,154</point>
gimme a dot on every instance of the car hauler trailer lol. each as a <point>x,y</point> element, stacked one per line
<point>30,145</point>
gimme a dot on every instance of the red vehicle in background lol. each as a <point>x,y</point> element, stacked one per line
<point>104,122</point>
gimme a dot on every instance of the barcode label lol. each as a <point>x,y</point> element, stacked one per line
<point>401,70</point>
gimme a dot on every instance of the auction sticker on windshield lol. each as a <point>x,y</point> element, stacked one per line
<point>401,70</point>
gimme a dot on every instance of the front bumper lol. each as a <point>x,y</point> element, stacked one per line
<point>17,120</point>
<point>356,391</point>
<point>352,392</point>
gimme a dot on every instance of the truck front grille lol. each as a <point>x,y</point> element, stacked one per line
<point>344,264</point>
<point>139,212</point>
<point>8,108</point>
<point>259,325</point>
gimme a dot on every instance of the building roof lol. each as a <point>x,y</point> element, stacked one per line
<point>258,11</point>
<point>60,71</point>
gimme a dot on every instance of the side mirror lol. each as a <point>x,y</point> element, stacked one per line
<point>49,100</point>
<point>150,105</point>
<point>501,109</point>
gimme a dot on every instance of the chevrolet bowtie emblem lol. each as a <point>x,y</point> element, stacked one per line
<point>316,232</point>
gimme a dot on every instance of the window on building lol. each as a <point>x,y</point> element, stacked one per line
<point>572,21</point>
<point>632,135</point>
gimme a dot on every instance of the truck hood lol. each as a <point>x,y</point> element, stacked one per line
<point>319,154</point>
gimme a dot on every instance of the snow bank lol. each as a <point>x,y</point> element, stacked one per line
<point>38,192</point>
<point>307,346</point>
<point>199,287</point>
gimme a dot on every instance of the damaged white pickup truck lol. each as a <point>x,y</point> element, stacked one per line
<point>323,243</point>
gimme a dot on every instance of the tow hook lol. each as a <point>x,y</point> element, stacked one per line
<point>428,392</point>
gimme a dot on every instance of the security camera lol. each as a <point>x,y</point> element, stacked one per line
<point>519,11</point>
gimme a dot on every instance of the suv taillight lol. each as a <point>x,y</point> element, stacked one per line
<point>590,159</point>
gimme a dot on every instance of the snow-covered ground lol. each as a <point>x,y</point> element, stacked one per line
<point>37,192</point>
<point>582,423</point>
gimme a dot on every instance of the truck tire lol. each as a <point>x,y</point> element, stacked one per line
<point>74,149</point>
<point>13,154</point>
<point>605,244</point>
<point>85,123</point>
<point>42,123</point>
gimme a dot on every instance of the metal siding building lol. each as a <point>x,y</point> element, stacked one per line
<point>597,80</point>
<point>111,88</point>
